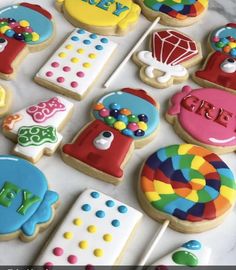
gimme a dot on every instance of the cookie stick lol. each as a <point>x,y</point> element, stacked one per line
<point>118,69</point>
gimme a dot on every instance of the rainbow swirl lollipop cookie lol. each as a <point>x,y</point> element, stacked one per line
<point>187,185</point>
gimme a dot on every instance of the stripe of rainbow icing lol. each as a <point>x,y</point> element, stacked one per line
<point>188,182</point>
<point>179,9</point>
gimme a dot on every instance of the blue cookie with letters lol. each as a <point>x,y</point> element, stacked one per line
<point>26,203</point>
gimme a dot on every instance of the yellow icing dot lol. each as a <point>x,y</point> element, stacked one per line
<point>80,51</point>
<point>232,45</point>
<point>68,235</point>
<point>119,125</point>
<point>107,237</point>
<point>86,65</point>
<point>35,36</point>
<point>98,252</point>
<point>83,244</point>
<point>74,60</point>
<point>92,229</point>
<point>92,55</point>
<point>4,29</point>
<point>78,222</point>
<point>69,47</point>
<point>142,125</point>
<point>24,23</point>
<point>2,97</point>
<point>62,55</point>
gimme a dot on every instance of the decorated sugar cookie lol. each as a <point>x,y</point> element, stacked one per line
<point>219,68</point>
<point>36,128</point>
<point>106,17</point>
<point>26,203</point>
<point>122,121</point>
<point>171,53</point>
<point>94,232</point>
<point>73,68</point>
<point>5,100</point>
<point>210,108</point>
<point>188,185</point>
<point>24,28</point>
<point>174,12</point>
<point>192,253</point>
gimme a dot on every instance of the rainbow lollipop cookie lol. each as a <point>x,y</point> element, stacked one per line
<point>187,185</point>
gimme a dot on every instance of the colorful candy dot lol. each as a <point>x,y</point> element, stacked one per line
<point>142,125</point>
<point>95,194</point>
<point>125,111</point>
<point>72,259</point>
<point>48,265</point>
<point>58,251</point>
<point>107,237</point>
<point>60,79</point>
<point>75,38</point>
<point>133,126</point>
<point>49,74</point>
<point>227,49</point>
<point>99,47</point>
<point>143,118</point>
<point>78,221</point>
<point>215,39</point>
<point>233,52</point>
<point>80,74</point>
<point>80,51</point>
<point>224,40</point>
<point>104,112</point>
<point>119,125</point>
<point>139,133</point>
<point>86,65</point>
<point>69,47</point>
<point>18,36</point>
<point>115,106</point>
<point>35,36</point>
<point>87,42</point>
<point>98,252</point>
<point>123,118</point>
<point>55,64</point>
<point>104,40</point>
<point>93,36</point>
<point>27,36</point>
<point>66,69</point>
<point>62,55</point>
<point>127,132</point>
<point>232,44</point>
<point>110,203</point>
<point>9,33</point>
<point>24,23</point>
<point>68,235</point>
<point>11,20</point>
<point>98,106</point>
<point>86,207</point>
<point>114,113</point>
<point>133,118</point>
<point>81,31</point>
<point>109,120</point>
<point>74,60</point>
<point>28,29</point>
<point>92,55</point>
<point>220,44</point>
<point>74,84</point>
<point>122,209</point>
<point>100,214</point>
<point>92,229</point>
<point>115,223</point>
<point>83,244</point>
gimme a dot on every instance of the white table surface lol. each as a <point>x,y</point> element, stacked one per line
<point>69,182</point>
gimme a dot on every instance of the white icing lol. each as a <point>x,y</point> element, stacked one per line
<point>229,65</point>
<point>91,73</point>
<point>33,151</point>
<point>153,64</point>
<point>112,250</point>
<point>103,143</point>
<point>219,141</point>
<point>202,254</point>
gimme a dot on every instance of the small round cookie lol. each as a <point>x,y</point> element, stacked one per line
<point>105,17</point>
<point>174,12</point>
<point>5,100</point>
<point>26,204</point>
<point>188,185</point>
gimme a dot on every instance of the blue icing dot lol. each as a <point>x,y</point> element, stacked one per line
<point>10,33</point>
<point>233,52</point>
<point>224,40</point>
<point>95,195</point>
<point>87,42</point>
<point>115,106</point>
<point>115,223</point>
<point>81,31</point>
<point>139,133</point>
<point>127,132</point>
<point>99,47</point>
<point>115,113</point>
<point>104,40</point>
<point>122,209</point>
<point>100,214</point>
<point>86,207</point>
<point>74,38</point>
<point>110,203</point>
<point>93,36</point>
<point>123,118</point>
<point>192,245</point>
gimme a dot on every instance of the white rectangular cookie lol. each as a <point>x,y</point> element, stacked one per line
<point>76,64</point>
<point>94,232</point>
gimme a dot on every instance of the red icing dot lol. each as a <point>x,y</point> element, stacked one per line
<point>48,266</point>
<point>80,74</point>
<point>13,24</point>
<point>55,64</point>
<point>66,69</point>
<point>60,79</point>
<point>28,29</point>
<point>89,267</point>
<point>58,251</point>
<point>19,29</point>
<point>49,74</point>
<point>216,39</point>
<point>74,84</point>
<point>72,259</point>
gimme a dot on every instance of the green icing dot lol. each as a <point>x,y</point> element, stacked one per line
<point>109,120</point>
<point>28,36</point>
<point>133,118</point>
<point>3,24</point>
<point>185,258</point>
<point>220,44</point>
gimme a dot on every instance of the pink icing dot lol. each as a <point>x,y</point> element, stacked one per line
<point>58,251</point>
<point>66,69</point>
<point>72,259</point>
<point>74,84</point>
<point>89,267</point>
<point>216,39</point>
<point>55,64</point>
<point>104,112</point>
<point>14,24</point>
<point>80,74</point>
<point>60,79</point>
<point>28,29</point>
<point>133,126</point>
<point>49,74</point>
<point>48,265</point>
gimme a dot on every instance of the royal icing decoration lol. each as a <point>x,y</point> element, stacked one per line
<point>188,183</point>
<point>94,232</point>
<point>22,26</point>
<point>114,17</point>
<point>123,118</point>
<point>176,10</point>
<point>220,67</point>
<point>191,254</point>
<point>25,200</point>
<point>5,100</point>
<point>37,127</point>
<point>77,63</point>
<point>165,63</point>
<point>210,108</point>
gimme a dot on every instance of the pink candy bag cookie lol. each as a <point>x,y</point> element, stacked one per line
<point>5,100</point>
<point>206,117</point>
<point>166,63</point>
<point>36,128</point>
<point>24,28</point>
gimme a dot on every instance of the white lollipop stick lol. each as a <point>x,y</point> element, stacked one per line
<point>153,243</point>
<point>121,65</point>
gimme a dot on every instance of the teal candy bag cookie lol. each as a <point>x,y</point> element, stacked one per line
<point>26,204</point>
